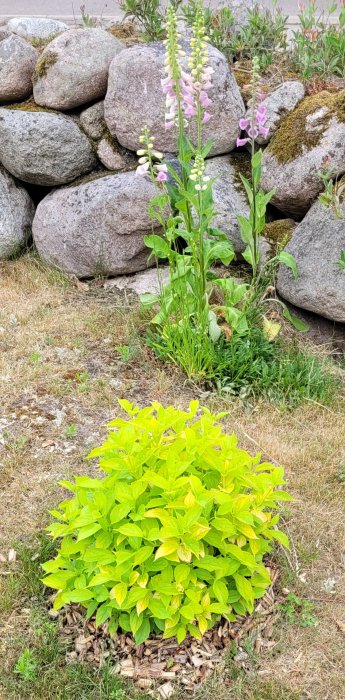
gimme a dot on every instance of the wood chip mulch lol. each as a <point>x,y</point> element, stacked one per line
<point>161,664</point>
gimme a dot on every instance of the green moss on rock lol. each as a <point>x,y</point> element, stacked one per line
<point>28,106</point>
<point>44,62</point>
<point>279,232</point>
<point>303,128</point>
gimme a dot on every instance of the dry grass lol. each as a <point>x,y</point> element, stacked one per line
<point>59,367</point>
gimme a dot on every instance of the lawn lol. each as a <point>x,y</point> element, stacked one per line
<point>69,350</point>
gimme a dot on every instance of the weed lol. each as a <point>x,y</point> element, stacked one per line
<point>252,365</point>
<point>149,16</point>
<point>298,611</point>
<point>35,358</point>
<point>341,261</point>
<point>319,46</point>
<point>82,379</point>
<point>71,431</point>
<point>262,36</point>
<point>26,666</point>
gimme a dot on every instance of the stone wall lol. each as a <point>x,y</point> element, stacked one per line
<point>71,111</point>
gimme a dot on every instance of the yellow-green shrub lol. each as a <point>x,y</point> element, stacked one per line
<point>174,536</point>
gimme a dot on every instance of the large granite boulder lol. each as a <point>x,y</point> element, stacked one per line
<point>135,99</point>
<point>228,196</point>
<point>98,227</point>
<point>17,64</point>
<point>16,215</point>
<point>279,103</point>
<point>316,245</point>
<point>73,68</point>
<point>43,148</point>
<point>40,28</point>
<point>308,140</point>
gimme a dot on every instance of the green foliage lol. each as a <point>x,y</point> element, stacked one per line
<point>87,20</point>
<point>173,538</point>
<point>341,261</point>
<point>26,666</point>
<point>218,24</point>
<point>149,15</point>
<point>262,36</point>
<point>71,431</point>
<point>319,45</point>
<point>251,365</point>
<point>298,610</point>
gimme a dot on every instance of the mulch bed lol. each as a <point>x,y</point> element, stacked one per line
<point>159,665</point>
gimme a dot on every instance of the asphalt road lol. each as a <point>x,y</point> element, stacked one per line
<point>66,8</point>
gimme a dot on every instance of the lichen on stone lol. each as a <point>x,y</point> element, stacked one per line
<point>44,62</point>
<point>303,128</point>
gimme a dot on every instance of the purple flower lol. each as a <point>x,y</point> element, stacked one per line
<point>143,169</point>
<point>206,118</point>
<point>244,124</point>
<point>241,142</point>
<point>264,131</point>
<point>190,111</point>
<point>162,176</point>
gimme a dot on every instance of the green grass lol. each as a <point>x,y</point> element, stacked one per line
<point>252,366</point>
<point>276,371</point>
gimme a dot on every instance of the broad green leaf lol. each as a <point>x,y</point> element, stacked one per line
<point>288,260</point>
<point>80,595</point>
<point>167,548</point>
<point>119,592</point>
<point>103,613</point>
<point>158,609</point>
<point>143,632</point>
<point>244,588</point>
<point>295,321</point>
<point>58,580</point>
<point>130,530</point>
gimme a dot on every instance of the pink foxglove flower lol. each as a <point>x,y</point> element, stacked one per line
<point>254,124</point>
<point>162,176</point>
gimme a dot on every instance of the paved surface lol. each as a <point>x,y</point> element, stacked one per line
<point>107,8</point>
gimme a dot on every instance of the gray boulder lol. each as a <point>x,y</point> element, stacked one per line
<point>280,103</point>
<point>43,148</point>
<point>135,99</point>
<point>110,156</point>
<point>36,27</point>
<point>73,68</point>
<point>308,140</point>
<point>92,121</point>
<point>316,245</point>
<point>17,64</point>
<point>96,228</point>
<point>228,197</point>
<point>16,215</point>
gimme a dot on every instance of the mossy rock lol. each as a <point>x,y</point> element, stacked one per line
<point>279,232</point>
<point>48,59</point>
<point>303,128</point>
<point>309,141</point>
<point>28,106</point>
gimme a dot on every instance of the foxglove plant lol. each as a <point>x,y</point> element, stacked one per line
<point>184,207</point>
<point>251,227</point>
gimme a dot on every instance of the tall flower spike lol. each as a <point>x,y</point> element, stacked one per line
<point>171,83</point>
<point>201,73</point>
<point>255,124</point>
